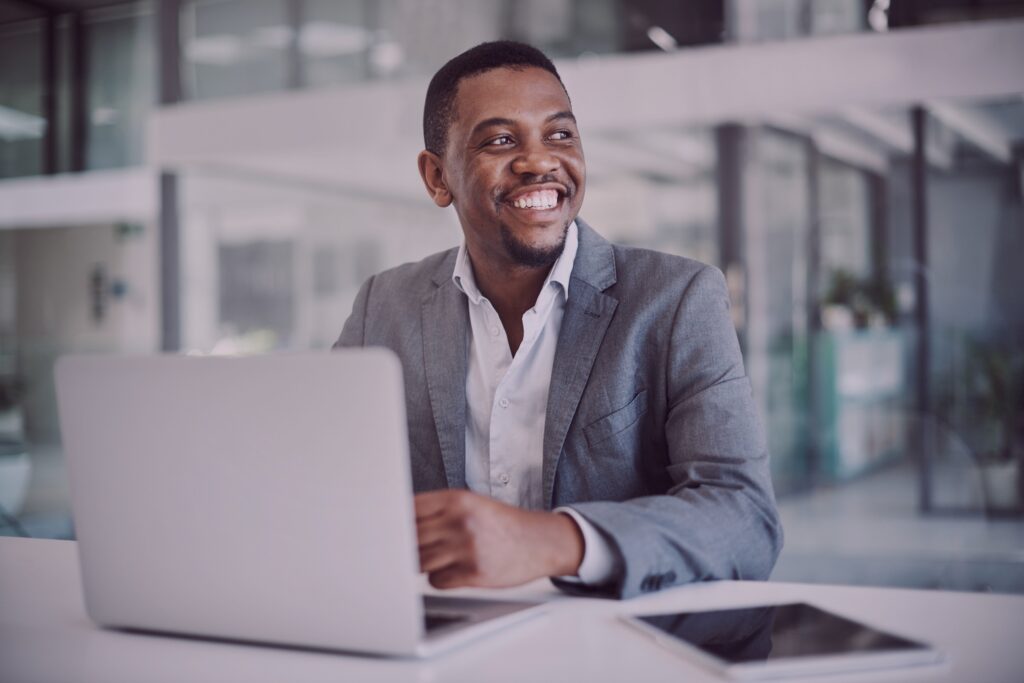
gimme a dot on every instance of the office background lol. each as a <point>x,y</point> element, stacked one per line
<point>219,176</point>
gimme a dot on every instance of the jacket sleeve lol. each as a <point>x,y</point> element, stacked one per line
<point>353,333</point>
<point>718,520</point>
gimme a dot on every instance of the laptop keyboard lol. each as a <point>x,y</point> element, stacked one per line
<point>436,620</point>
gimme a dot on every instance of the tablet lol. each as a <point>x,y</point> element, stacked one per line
<point>775,641</point>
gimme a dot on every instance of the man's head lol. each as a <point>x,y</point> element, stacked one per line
<point>503,147</point>
<point>439,108</point>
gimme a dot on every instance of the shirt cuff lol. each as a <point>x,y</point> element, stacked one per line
<point>598,565</point>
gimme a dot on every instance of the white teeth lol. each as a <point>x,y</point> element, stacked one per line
<point>544,199</point>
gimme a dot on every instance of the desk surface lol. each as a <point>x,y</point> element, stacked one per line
<point>46,636</point>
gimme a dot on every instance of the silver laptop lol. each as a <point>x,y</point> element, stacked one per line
<point>263,498</point>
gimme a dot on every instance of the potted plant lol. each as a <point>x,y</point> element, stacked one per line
<point>996,375</point>
<point>15,465</point>
<point>852,302</point>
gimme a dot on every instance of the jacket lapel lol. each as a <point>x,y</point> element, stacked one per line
<point>588,313</point>
<point>445,354</point>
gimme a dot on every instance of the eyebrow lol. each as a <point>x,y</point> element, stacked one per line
<point>500,121</point>
<point>561,115</point>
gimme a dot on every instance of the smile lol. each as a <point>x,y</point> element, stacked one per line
<point>537,200</point>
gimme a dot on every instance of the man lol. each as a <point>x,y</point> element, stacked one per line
<point>590,397</point>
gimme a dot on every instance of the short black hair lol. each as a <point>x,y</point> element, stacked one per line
<point>439,108</point>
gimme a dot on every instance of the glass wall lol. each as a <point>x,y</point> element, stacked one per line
<point>22,120</point>
<point>89,288</point>
<point>101,86</point>
<point>105,54</point>
<point>121,89</point>
<point>874,280</point>
<point>276,265</point>
<point>239,47</point>
<point>976,312</point>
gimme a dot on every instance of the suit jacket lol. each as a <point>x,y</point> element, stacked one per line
<point>651,431</point>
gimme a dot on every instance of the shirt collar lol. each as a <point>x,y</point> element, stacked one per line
<point>560,273</point>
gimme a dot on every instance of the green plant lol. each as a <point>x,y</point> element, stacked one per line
<point>996,375</point>
<point>12,388</point>
<point>862,296</point>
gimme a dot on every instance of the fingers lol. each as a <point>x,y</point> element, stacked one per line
<point>433,503</point>
<point>440,531</point>
<point>437,556</point>
<point>434,530</point>
<point>452,576</point>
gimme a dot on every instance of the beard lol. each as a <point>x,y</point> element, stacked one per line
<point>528,255</point>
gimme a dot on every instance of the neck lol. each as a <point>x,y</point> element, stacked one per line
<point>511,289</point>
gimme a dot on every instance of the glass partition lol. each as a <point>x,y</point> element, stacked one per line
<point>89,288</point>
<point>121,65</point>
<point>871,256</point>
<point>271,264</point>
<point>22,119</point>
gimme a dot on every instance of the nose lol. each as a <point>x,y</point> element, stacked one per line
<point>535,158</point>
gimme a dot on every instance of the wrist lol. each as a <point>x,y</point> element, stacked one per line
<point>564,542</point>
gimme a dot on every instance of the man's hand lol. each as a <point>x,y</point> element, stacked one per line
<point>466,539</point>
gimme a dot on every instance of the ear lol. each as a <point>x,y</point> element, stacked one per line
<point>433,178</point>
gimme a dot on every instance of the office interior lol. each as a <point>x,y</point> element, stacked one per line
<point>219,176</point>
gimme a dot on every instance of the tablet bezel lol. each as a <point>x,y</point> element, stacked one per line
<point>845,662</point>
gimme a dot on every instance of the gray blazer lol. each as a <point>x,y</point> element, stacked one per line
<point>651,431</point>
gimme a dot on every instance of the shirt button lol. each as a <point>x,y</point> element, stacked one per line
<point>503,403</point>
<point>503,478</point>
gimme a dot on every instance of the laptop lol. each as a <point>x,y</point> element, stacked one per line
<point>264,498</point>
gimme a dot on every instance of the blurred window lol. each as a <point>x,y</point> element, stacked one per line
<point>234,47</point>
<point>121,64</point>
<point>22,119</point>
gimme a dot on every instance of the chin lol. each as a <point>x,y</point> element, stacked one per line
<point>533,255</point>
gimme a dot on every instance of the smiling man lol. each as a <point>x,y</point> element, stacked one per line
<point>577,410</point>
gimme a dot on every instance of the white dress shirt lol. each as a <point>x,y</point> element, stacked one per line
<point>507,398</point>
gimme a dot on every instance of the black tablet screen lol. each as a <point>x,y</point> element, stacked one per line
<point>776,632</point>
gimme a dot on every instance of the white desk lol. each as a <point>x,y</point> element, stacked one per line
<point>45,636</point>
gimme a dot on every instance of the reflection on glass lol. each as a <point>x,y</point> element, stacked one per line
<point>22,121</point>
<point>773,633</point>
<point>121,64</point>
<point>272,265</point>
<point>976,313</point>
<point>234,47</point>
<point>735,635</point>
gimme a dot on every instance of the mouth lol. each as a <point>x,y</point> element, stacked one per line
<point>537,201</point>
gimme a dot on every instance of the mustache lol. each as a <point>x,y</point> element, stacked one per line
<point>570,188</point>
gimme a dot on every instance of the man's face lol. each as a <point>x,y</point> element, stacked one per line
<point>514,166</point>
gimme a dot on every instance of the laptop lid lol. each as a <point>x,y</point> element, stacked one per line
<point>258,498</point>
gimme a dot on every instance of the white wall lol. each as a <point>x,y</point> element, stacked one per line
<point>53,269</point>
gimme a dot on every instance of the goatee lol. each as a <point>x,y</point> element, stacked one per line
<point>529,255</point>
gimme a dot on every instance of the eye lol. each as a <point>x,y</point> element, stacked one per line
<point>499,141</point>
<point>561,135</point>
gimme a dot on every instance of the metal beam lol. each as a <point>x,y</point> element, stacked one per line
<point>296,76</point>
<point>168,40</point>
<point>170,264</point>
<point>79,92</point>
<point>50,140</point>
<point>815,407</point>
<point>168,23</point>
<point>919,208</point>
<point>731,141</point>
